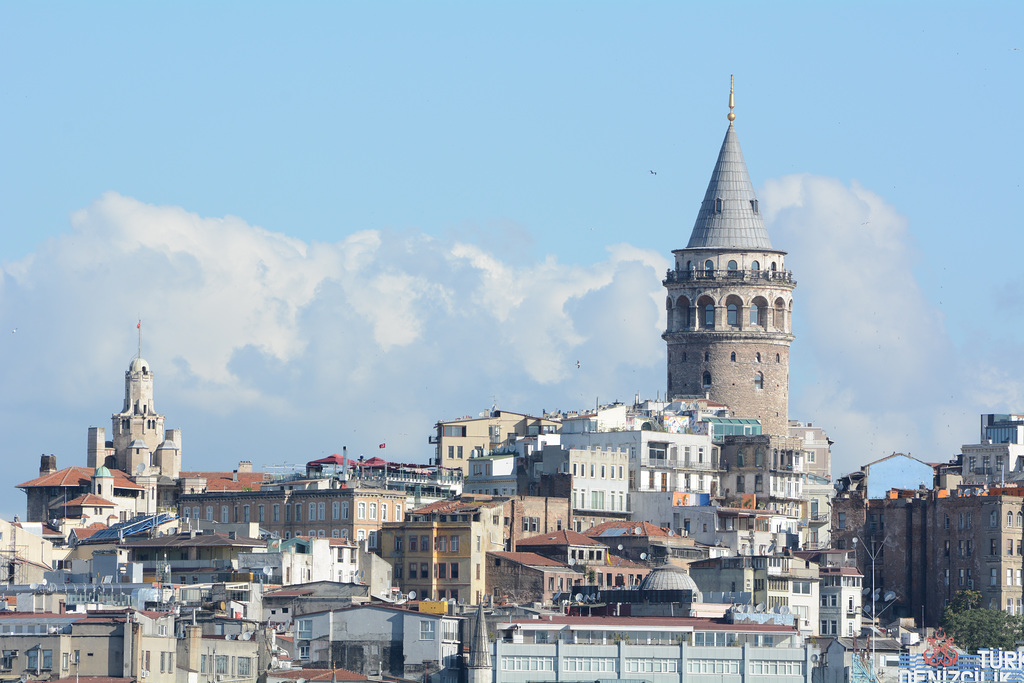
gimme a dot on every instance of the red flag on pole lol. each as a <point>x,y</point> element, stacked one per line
<point>380,446</point>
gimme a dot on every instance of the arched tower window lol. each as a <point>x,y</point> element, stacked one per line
<point>689,265</point>
<point>778,358</point>
<point>755,266</point>
<point>732,356</point>
<point>682,313</point>
<point>707,356</point>
<point>773,266</point>
<point>733,267</point>
<point>709,267</point>
<point>706,380</point>
<point>759,380</point>
<point>734,320</point>
<point>759,312</point>
<point>758,356</point>
<point>780,315</point>
<point>706,311</point>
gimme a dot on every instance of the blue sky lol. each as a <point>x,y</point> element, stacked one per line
<point>341,222</point>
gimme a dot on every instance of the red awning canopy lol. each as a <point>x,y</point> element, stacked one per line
<point>334,459</point>
<point>372,462</point>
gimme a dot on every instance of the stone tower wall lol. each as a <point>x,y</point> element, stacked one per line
<point>733,381</point>
<point>696,347</point>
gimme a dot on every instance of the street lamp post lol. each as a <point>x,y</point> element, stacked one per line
<point>873,554</point>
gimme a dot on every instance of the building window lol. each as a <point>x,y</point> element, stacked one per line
<point>321,511</point>
<point>759,380</point>
<point>428,629</point>
<point>733,315</point>
<point>732,356</point>
<point>335,510</point>
<point>361,510</point>
<point>706,380</point>
<point>709,316</point>
<point>224,514</point>
<point>753,205</point>
<point>261,513</point>
<point>245,514</point>
<point>841,520</point>
<point>373,511</point>
<point>718,204</point>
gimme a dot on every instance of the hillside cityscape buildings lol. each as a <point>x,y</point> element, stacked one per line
<point>697,537</point>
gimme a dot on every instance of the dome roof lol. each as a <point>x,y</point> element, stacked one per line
<point>138,365</point>
<point>671,578</point>
<point>138,443</point>
<point>168,444</point>
<point>102,471</point>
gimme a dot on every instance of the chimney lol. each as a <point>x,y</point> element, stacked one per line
<point>47,464</point>
<point>245,466</point>
<point>234,475</point>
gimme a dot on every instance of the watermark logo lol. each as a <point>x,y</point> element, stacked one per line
<point>941,651</point>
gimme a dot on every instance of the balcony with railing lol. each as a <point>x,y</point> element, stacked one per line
<point>678,464</point>
<point>723,275</point>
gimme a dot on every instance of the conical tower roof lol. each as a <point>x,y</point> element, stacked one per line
<point>729,217</point>
<point>480,651</point>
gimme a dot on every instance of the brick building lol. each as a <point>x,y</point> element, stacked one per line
<point>929,544</point>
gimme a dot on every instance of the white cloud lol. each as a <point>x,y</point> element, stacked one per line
<point>873,361</point>
<point>267,347</point>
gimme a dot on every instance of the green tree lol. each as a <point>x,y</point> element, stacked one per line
<point>972,626</point>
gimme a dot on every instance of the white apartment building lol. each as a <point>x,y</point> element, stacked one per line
<point>659,461</point>
<point>493,475</point>
<point>840,609</point>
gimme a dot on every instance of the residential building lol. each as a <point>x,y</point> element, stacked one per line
<point>456,441</point>
<point>492,475</point>
<point>765,471</point>
<point>920,547</point>
<point>817,448</point>
<point>998,456</point>
<point>308,507</point>
<point>526,577</point>
<point>303,559</point>
<point>730,302</point>
<point>781,583</point>
<point>646,543</point>
<point>439,551</point>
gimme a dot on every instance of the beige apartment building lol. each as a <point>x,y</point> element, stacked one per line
<point>456,441</point>
<point>315,508</point>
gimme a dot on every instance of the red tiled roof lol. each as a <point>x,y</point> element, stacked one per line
<point>646,528</point>
<point>563,537</point>
<point>91,499</point>
<point>78,476</point>
<point>448,506</point>
<point>622,563</point>
<point>228,481</point>
<point>318,674</point>
<point>531,559</point>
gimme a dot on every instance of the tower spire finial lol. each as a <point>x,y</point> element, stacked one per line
<point>138,326</point>
<point>732,101</point>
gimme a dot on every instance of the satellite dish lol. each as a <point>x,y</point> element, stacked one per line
<point>889,597</point>
<point>268,571</point>
<point>671,533</point>
<point>42,582</point>
<point>783,609</point>
<point>878,593</point>
<point>33,586</point>
<point>866,590</point>
<point>643,556</point>
<point>760,607</point>
<point>245,636</point>
<point>229,636</point>
<point>579,597</point>
<point>638,530</point>
<point>412,595</point>
<point>140,468</point>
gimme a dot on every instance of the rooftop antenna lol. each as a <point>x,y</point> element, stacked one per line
<point>138,326</point>
<point>732,101</point>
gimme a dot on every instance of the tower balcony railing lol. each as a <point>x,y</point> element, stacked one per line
<point>723,275</point>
